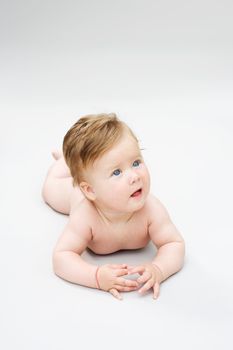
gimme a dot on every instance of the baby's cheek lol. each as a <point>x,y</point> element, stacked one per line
<point>119,195</point>
<point>147,177</point>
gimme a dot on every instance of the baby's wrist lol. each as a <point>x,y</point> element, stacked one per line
<point>157,268</point>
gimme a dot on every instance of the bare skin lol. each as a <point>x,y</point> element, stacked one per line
<point>105,217</point>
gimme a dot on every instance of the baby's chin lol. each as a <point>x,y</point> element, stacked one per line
<point>135,206</point>
<point>139,196</point>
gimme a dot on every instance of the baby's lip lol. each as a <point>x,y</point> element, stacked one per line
<point>139,189</point>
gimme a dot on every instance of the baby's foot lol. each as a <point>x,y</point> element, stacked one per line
<point>56,154</point>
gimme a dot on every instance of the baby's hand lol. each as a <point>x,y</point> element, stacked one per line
<point>110,279</point>
<point>151,276</point>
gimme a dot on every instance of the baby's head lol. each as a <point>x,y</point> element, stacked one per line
<point>103,155</point>
<point>88,139</point>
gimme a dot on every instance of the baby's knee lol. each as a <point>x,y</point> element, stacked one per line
<point>45,191</point>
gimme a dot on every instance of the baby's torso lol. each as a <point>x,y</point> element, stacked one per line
<point>109,238</point>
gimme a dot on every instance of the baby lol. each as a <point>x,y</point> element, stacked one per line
<point>103,184</point>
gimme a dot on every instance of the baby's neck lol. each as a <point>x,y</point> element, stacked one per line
<point>111,218</point>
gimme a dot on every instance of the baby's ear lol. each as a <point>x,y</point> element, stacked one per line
<point>87,190</point>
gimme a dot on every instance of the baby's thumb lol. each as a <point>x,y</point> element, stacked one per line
<point>115,293</point>
<point>118,266</point>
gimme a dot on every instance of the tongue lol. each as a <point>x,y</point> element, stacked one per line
<point>136,193</point>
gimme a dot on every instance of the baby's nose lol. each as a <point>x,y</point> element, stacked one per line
<point>134,176</point>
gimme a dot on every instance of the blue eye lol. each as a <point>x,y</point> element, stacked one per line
<point>136,163</point>
<point>116,172</point>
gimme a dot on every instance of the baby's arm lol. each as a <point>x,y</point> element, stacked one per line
<point>171,249</point>
<point>67,261</point>
<point>167,239</point>
<point>69,265</point>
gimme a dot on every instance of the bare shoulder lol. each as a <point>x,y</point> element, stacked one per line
<point>161,228</point>
<point>156,210</point>
<point>78,231</point>
<point>84,213</point>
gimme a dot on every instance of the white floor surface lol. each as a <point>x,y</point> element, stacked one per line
<point>166,70</point>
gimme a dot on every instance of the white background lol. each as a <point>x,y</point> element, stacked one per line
<point>165,67</point>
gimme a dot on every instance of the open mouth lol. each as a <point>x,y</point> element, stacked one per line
<point>137,193</point>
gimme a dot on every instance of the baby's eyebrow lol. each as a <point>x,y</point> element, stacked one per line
<point>114,167</point>
<point>119,164</point>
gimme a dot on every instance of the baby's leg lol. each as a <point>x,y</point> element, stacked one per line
<point>58,189</point>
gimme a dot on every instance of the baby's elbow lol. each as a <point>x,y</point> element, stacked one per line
<point>44,193</point>
<point>180,240</point>
<point>183,246</point>
<point>56,263</point>
<point>181,243</point>
<point>182,253</point>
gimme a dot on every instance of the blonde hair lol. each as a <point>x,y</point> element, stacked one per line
<point>88,139</point>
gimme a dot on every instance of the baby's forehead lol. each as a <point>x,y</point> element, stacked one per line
<point>117,155</point>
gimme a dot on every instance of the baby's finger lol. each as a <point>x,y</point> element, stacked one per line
<point>146,275</point>
<point>131,267</point>
<point>115,293</point>
<point>118,266</point>
<point>121,272</point>
<point>146,287</point>
<point>156,290</point>
<point>125,282</point>
<point>138,269</point>
<point>125,289</point>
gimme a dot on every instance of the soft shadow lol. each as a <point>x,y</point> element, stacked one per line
<point>127,256</point>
